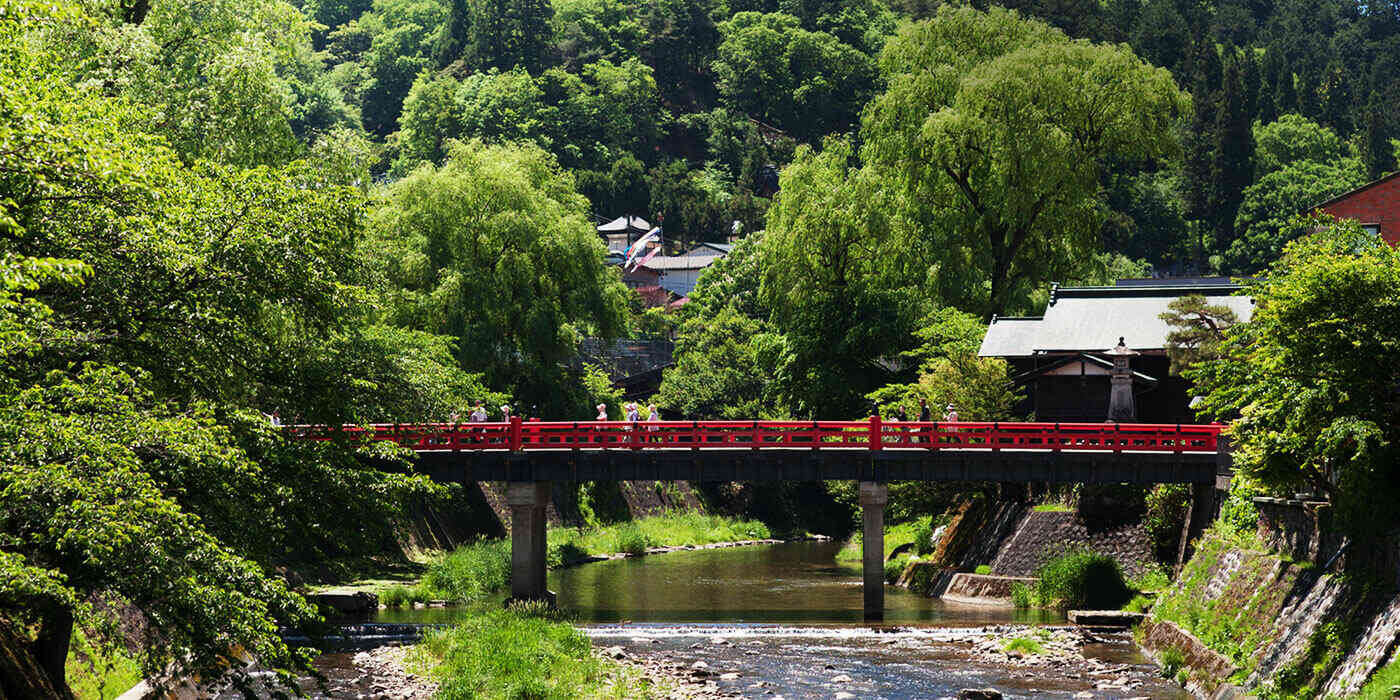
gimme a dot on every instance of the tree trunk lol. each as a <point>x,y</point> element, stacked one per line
<point>51,648</point>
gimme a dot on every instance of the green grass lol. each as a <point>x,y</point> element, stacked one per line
<point>1152,581</point>
<point>895,535</point>
<point>1384,684</point>
<point>1173,660</point>
<point>983,570</point>
<point>1075,578</point>
<point>1025,645</point>
<point>99,674</point>
<point>522,653</point>
<point>1053,508</point>
<point>674,529</point>
<point>1140,604</point>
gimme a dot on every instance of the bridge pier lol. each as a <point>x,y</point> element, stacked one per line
<point>873,497</point>
<point>528,548</point>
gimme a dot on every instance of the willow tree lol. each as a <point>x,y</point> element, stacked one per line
<point>494,248</point>
<point>996,129</point>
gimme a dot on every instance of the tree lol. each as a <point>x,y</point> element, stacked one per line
<point>1233,168</point>
<point>506,34</point>
<point>1198,328</point>
<point>949,371</point>
<point>995,128</point>
<point>680,40</point>
<point>724,368</point>
<point>593,30</point>
<point>807,83</point>
<point>1268,213</point>
<point>455,37</point>
<point>402,35</point>
<point>829,285</point>
<point>1308,384</point>
<point>1293,138</point>
<point>493,248</point>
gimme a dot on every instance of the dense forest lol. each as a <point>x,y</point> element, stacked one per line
<point>214,213</point>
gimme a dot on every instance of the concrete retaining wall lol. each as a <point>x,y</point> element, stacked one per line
<point>1040,534</point>
<point>983,589</point>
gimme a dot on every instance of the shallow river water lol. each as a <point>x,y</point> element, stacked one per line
<point>788,619</point>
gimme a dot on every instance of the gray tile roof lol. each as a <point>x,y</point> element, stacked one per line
<point>1091,319</point>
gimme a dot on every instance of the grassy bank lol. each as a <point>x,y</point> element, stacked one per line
<point>475,571</point>
<point>1075,578</point>
<point>95,673</point>
<point>523,653</point>
<point>673,529</point>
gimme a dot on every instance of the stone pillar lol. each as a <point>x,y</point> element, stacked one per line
<point>873,497</point>
<point>1121,406</point>
<point>528,556</point>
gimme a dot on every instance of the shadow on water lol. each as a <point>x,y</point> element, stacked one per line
<point>797,582</point>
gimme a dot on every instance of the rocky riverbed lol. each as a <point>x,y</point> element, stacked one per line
<point>766,662</point>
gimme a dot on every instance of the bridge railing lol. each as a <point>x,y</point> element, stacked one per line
<point>872,434</point>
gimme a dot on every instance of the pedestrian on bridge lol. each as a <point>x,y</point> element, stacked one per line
<point>602,416</point>
<point>478,414</point>
<point>925,416</point>
<point>653,417</point>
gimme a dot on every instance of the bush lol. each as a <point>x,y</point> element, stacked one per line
<point>470,572</point>
<point>631,539</point>
<point>565,553</point>
<point>1172,661</point>
<point>1023,596</point>
<point>983,569</point>
<point>1166,509</point>
<point>1082,578</point>
<point>894,568</point>
<point>1024,645</point>
<point>923,539</point>
<point>399,596</point>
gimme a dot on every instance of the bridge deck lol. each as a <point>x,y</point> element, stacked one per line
<point>817,465</point>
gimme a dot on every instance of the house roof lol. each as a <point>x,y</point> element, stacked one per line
<point>682,262</point>
<point>1349,193</point>
<point>1091,319</point>
<point>710,249</point>
<point>625,223</point>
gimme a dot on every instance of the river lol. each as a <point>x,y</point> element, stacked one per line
<point>787,619</point>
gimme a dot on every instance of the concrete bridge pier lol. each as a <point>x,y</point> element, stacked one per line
<point>528,548</point>
<point>873,497</point>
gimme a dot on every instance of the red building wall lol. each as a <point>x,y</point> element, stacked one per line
<point>1375,204</point>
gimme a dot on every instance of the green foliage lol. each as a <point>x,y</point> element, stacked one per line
<point>894,568</point>
<point>1164,517</point>
<point>672,529</point>
<point>470,572</point>
<point>515,654</point>
<point>463,250</point>
<point>1139,604</point>
<point>1301,678</point>
<point>723,368</point>
<point>1268,213</point>
<point>1309,375</point>
<point>983,570</point>
<point>100,671</point>
<point>1238,513</point>
<point>1023,645</point>
<point>1197,330</point>
<point>1081,578</point>
<point>1383,685</point>
<point>806,83</point>
<point>828,283</point>
<point>1000,201</point>
<point>1171,660</point>
<point>923,538</point>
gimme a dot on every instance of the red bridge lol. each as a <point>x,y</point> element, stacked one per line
<point>531,454</point>
<point>873,435</point>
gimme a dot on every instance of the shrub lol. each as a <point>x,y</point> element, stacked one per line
<point>1023,596</point>
<point>1139,603</point>
<point>1166,509</point>
<point>1080,578</point>
<point>470,572</point>
<point>1173,660</point>
<point>565,553</point>
<point>983,569</point>
<point>923,539</point>
<point>894,568</point>
<point>1024,645</point>
<point>631,539</point>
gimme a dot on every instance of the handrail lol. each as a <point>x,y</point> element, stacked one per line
<point>873,434</point>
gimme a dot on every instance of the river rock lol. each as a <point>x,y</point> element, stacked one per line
<point>843,678</point>
<point>615,653</point>
<point>843,695</point>
<point>979,694</point>
<point>729,676</point>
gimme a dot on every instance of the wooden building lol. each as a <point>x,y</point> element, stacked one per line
<point>1062,361</point>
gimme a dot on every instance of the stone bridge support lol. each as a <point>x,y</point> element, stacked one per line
<point>528,549</point>
<point>873,497</point>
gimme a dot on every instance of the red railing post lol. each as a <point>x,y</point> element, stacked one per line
<point>636,434</point>
<point>515,441</point>
<point>876,439</point>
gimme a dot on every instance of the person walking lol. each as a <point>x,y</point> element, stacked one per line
<point>653,417</point>
<point>902,416</point>
<point>925,416</point>
<point>478,414</point>
<point>602,416</point>
<point>951,415</point>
